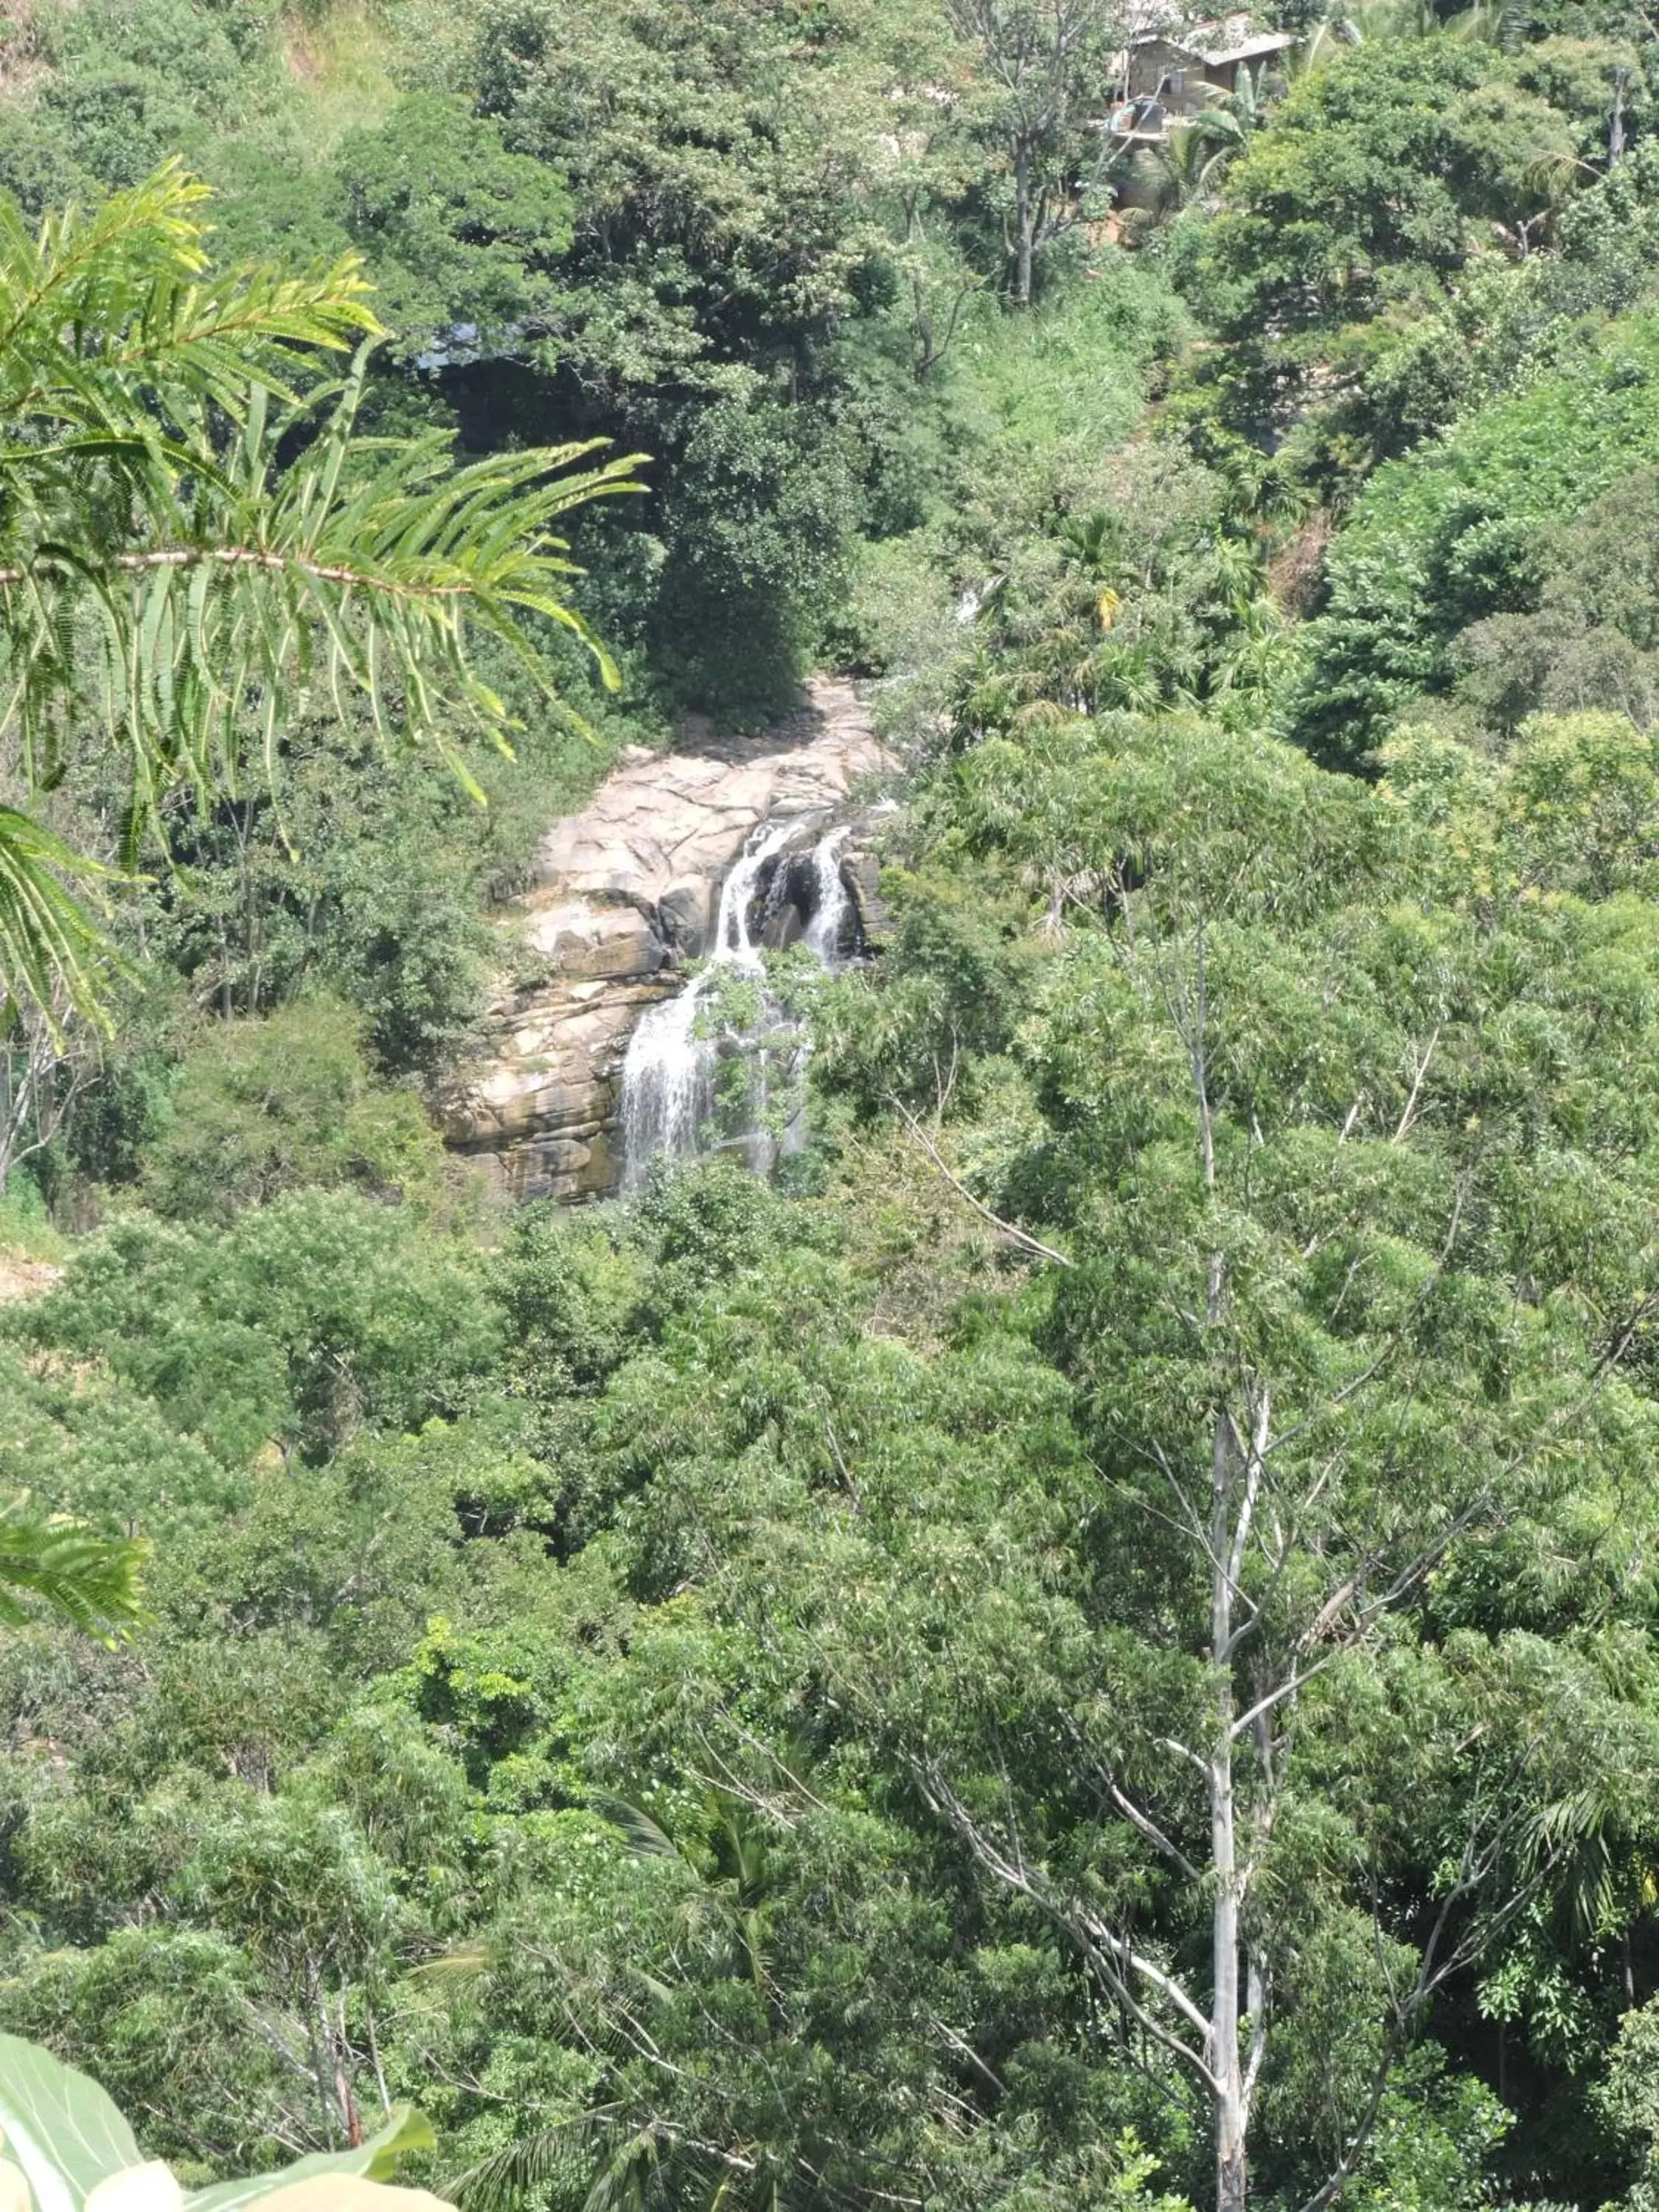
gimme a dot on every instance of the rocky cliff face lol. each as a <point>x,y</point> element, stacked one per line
<point>623,896</point>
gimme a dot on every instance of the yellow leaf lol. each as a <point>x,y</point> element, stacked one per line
<point>147,2188</point>
<point>347,2192</point>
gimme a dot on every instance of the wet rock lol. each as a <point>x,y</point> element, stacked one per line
<point>783,926</point>
<point>686,914</point>
<point>861,872</point>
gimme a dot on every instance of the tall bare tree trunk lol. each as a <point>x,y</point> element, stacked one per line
<point>1231,2112</point>
<point>1025,227</point>
<point>1229,2093</point>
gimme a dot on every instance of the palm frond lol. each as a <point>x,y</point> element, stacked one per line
<point>645,1837</point>
<point>52,953</point>
<point>58,1565</point>
<point>562,2161</point>
<point>196,539</point>
<point>596,2160</point>
<point>108,315</point>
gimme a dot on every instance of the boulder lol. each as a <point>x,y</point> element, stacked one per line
<point>581,936</point>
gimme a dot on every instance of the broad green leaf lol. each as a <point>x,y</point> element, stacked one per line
<point>151,2187</point>
<point>60,2127</point>
<point>349,2192</point>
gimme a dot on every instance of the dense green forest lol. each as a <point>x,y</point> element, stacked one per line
<point>1094,1642</point>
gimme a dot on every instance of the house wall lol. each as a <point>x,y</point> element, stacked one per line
<point>1149,64</point>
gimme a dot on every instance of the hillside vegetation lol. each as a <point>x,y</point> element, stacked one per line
<point>1095,1643</point>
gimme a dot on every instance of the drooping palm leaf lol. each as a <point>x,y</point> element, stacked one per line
<point>61,1567</point>
<point>51,952</point>
<point>194,536</point>
<point>595,2160</point>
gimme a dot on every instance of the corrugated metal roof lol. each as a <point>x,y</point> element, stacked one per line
<point>1262,42</point>
<point>1216,42</point>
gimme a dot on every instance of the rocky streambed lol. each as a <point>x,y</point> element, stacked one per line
<point>624,897</point>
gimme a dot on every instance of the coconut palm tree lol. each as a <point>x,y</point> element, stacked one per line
<point>194,537</point>
<point>1502,23</point>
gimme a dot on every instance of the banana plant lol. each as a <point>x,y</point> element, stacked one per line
<point>64,2147</point>
<point>1195,154</point>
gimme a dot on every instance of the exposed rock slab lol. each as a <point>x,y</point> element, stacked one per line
<point>26,1278</point>
<point>622,895</point>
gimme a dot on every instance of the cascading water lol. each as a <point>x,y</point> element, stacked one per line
<point>668,1083</point>
<point>669,1070</point>
<point>668,1074</point>
<point>826,929</point>
<point>731,941</point>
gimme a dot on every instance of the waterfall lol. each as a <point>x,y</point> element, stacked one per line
<point>827,925</point>
<point>668,1070</point>
<point>668,1083</point>
<point>732,943</point>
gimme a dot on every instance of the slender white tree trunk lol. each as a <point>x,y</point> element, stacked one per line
<point>1226,2059</point>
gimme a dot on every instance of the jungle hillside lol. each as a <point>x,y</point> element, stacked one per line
<point>1047,1601</point>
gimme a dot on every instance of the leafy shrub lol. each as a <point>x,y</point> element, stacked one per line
<point>265,1106</point>
<point>463,234</point>
<point>1454,533</point>
<point>302,1323</point>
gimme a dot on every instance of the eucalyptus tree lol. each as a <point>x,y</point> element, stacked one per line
<point>1259,1731</point>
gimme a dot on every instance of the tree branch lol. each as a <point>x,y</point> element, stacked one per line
<point>1107,1954</point>
<point>1019,1237</point>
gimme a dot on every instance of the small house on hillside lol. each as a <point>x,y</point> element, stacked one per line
<point>1169,77</point>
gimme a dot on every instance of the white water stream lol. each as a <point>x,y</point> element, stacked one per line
<point>827,923</point>
<point>668,1072</point>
